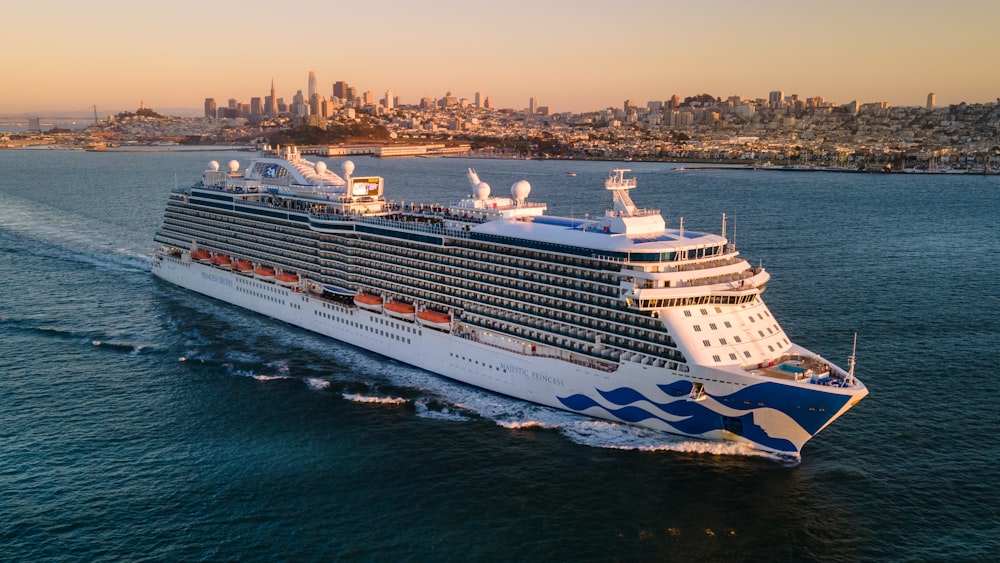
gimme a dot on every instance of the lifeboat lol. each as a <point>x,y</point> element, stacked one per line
<point>434,319</point>
<point>243,267</point>
<point>400,310</point>
<point>263,273</point>
<point>222,261</point>
<point>287,279</point>
<point>201,255</point>
<point>368,301</point>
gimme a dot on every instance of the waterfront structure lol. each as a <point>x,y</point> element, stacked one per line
<point>615,317</point>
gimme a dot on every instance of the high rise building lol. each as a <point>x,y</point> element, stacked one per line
<point>315,104</point>
<point>340,90</point>
<point>312,84</point>
<point>390,102</point>
<point>256,107</point>
<point>479,99</point>
<point>299,107</point>
<point>930,101</point>
<point>532,105</point>
<point>775,99</point>
<point>272,104</point>
<point>210,107</point>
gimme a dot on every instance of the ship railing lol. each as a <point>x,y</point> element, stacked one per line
<point>643,212</point>
<point>499,291</point>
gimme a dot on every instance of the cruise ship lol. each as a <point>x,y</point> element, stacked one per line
<point>615,316</point>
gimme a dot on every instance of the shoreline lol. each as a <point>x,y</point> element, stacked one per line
<point>699,165</point>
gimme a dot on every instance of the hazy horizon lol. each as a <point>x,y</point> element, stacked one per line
<point>595,55</point>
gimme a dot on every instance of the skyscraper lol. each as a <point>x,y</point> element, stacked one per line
<point>775,99</point>
<point>312,84</point>
<point>340,89</point>
<point>272,105</point>
<point>479,99</point>
<point>390,102</point>
<point>210,107</point>
<point>532,105</point>
<point>930,101</point>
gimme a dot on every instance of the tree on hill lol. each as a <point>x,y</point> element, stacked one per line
<point>337,133</point>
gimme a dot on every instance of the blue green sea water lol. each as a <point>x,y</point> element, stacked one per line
<point>141,422</point>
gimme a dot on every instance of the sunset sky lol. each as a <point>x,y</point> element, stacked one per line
<point>573,56</point>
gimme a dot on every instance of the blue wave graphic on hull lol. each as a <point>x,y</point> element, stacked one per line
<point>808,408</point>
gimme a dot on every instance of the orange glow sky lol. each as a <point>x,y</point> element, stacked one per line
<point>573,56</point>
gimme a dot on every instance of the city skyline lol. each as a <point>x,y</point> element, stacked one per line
<point>115,54</point>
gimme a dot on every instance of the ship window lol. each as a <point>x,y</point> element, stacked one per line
<point>697,328</point>
<point>712,326</point>
<point>706,343</point>
<point>722,341</point>
<point>717,359</point>
<point>729,324</point>
<point>704,311</point>
<point>746,354</point>
<point>752,319</point>
<point>732,356</point>
<point>771,348</point>
<point>737,339</point>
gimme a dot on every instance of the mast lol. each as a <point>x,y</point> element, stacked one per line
<point>852,359</point>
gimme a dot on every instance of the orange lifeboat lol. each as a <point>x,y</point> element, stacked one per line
<point>287,279</point>
<point>264,273</point>
<point>201,255</point>
<point>400,310</point>
<point>434,319</point>
<point>222,261</point>
<point>243,267</point>
<point>368,301</point>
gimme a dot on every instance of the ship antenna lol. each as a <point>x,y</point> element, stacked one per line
<point>723,225</point>
<point>852,360</point>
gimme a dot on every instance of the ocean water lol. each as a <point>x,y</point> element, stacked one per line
<point>141,422</point>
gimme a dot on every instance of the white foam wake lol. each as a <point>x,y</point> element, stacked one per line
<point>358,398</point>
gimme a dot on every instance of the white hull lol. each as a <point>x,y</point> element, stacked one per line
<point>645,395</point>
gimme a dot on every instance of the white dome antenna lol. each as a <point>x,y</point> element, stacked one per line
<point>233,166</point>
<point>520,190</point>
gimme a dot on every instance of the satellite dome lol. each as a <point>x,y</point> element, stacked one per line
<point>234,166</point>
<point>347,167</point>
<point>213,165</point>
<point>321,168</point>
<point>520,190</point>
<point>482,190</point>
